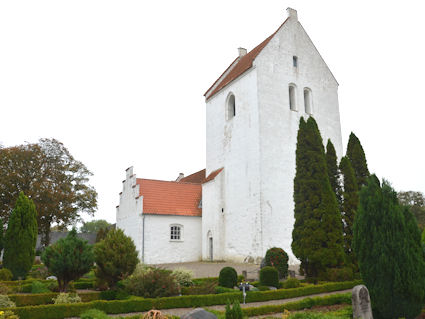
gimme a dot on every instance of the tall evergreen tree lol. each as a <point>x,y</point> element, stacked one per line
<point>1,236</point>
<point>388,248</point>
<point>317,235</point>
<point>357,157</point>
<point>21,238</point>
<point>333,171</point>
<point>350,202</point>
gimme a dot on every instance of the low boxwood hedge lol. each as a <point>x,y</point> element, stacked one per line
<point>137,304</point>
<point>46,298</point>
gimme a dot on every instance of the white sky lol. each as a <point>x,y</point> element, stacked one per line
<point>121,83</point>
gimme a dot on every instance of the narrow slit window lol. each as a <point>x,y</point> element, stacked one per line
<point>295,61</point>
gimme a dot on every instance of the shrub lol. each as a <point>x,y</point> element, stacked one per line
<point>5,274</point>
<point>269,276</point>
<point>291,283</point>
<point>38,287</point>
<point>183,277</point>
<point>21,238</point>
<point>94,314</point>
<point>204,288</point>
<point>278,258</point>
<point>39,272</point>
<point>65,298</point>
<point>4,290</point>
<point>5,302</point>
<point>339,274</point>
<point>112,264</point>
<point>234,312</point>
<point>68,259</point>
<point>228,277</point>
<point>8,315</point>
<point>154,283</point>
<point>222,290</point>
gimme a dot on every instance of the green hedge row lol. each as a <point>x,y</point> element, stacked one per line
<point>13,283</point>
<point>46,298</point>
<point>77,285</point>
<point>136,304</point>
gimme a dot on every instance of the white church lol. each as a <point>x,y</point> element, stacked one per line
<point>242,203</point>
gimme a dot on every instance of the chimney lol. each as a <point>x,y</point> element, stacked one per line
<point>181,175</point>
<point>292,13</point>
<point>242,52</point>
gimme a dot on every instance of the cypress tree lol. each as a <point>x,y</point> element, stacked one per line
<point>1,236</point>
<point>21,238</point>
<point>388,248</point>
<point>350,201</point>
<point>333,171</point>
<point>357,157</point>
<point>317,235</point>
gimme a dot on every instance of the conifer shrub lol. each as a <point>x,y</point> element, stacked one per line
<point>65,298</point>
<point>277,258</point>
<point>233,312</point>
<point>68,259</point>
<point>5,302</point>
<point>155,282</point>
<point>94,314</point>
<point>112,264</point>
<point>291,283</point>
<point>5,274</point>
<point>387,244</point>
<point>228,277</point>
<point>269,277</point>
<point>21,238</point>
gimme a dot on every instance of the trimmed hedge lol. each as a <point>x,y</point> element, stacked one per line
<point>269,276</point>
<point>12,283</point>
<point>137,304</point>
<point>46,298</point>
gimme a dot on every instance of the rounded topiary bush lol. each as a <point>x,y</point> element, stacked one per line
<point>269,277</point>
<point>228,277</point>
<point>277,258</point>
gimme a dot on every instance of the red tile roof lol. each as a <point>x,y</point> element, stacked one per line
<point>197,177</point>
<point>170,198</point>
<point>213,175</point>
<point>244,64</point>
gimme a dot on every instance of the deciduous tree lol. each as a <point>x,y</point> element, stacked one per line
<point>48,174</point>
<point>94,226</point>
<point>21,238</point>
<point>317,235</point>
<point>416,202</point>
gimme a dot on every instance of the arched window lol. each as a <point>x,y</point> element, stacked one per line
<point>230,106</point>
<point>176,232</point>
<point>308,101</point>
<point>292,97</point>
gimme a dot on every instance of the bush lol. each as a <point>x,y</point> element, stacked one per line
<point>154,283</point>
<point>4,290</point>
<point>38,287</point>
<point>8,315</point>
<point>94,314</point>
<point>114,294</point>
<point>112,264</point>
<point>65,298</point>
<point>68,259</point>
<point>204,288</point>
<point>291,283</point>
<point>5,302</point>
<point>228,277</point>
<point>222,290</point>
<point>339,274</point>
<point>277,258</point>
<point>183,277</point>
<point>269,277</point>
<point>234,312</point>
<point>39,272</point>
<point>5,274</point>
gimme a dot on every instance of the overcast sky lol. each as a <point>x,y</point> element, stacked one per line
<point>121,83</point>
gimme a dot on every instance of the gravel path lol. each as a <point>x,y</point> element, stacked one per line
<point>181,311</point>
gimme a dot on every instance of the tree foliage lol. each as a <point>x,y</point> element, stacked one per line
<point>357,157</point>
<point>116,257</point>
<point>416,202</point>
<point>68,259</point>
<point>94,226</point>
<point>388,248</point>
<point>48,174</point>
<point>277,258</point>
<point>350,202</point>
<point>333,170</point>
<point>317,235</point>
<point>21,238</point>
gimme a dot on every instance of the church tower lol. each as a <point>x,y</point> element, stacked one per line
<point>252,116</point>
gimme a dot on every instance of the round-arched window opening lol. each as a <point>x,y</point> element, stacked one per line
<point>231,106</point>
<point>292,97</point>
<point>308,101</point>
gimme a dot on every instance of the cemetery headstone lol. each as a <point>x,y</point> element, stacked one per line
<point>361,303</point>
<point>198,313</point>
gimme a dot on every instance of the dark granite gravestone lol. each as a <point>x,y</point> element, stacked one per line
<point>361,303</point>
<point>198,313</point>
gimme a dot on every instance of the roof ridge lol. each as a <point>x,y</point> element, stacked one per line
<point>160,180</point>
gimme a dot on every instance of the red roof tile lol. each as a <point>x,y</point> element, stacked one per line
<point>213,175</point>
<point>244,64</point>
<point>197,177</point>
<point>170,198</point>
